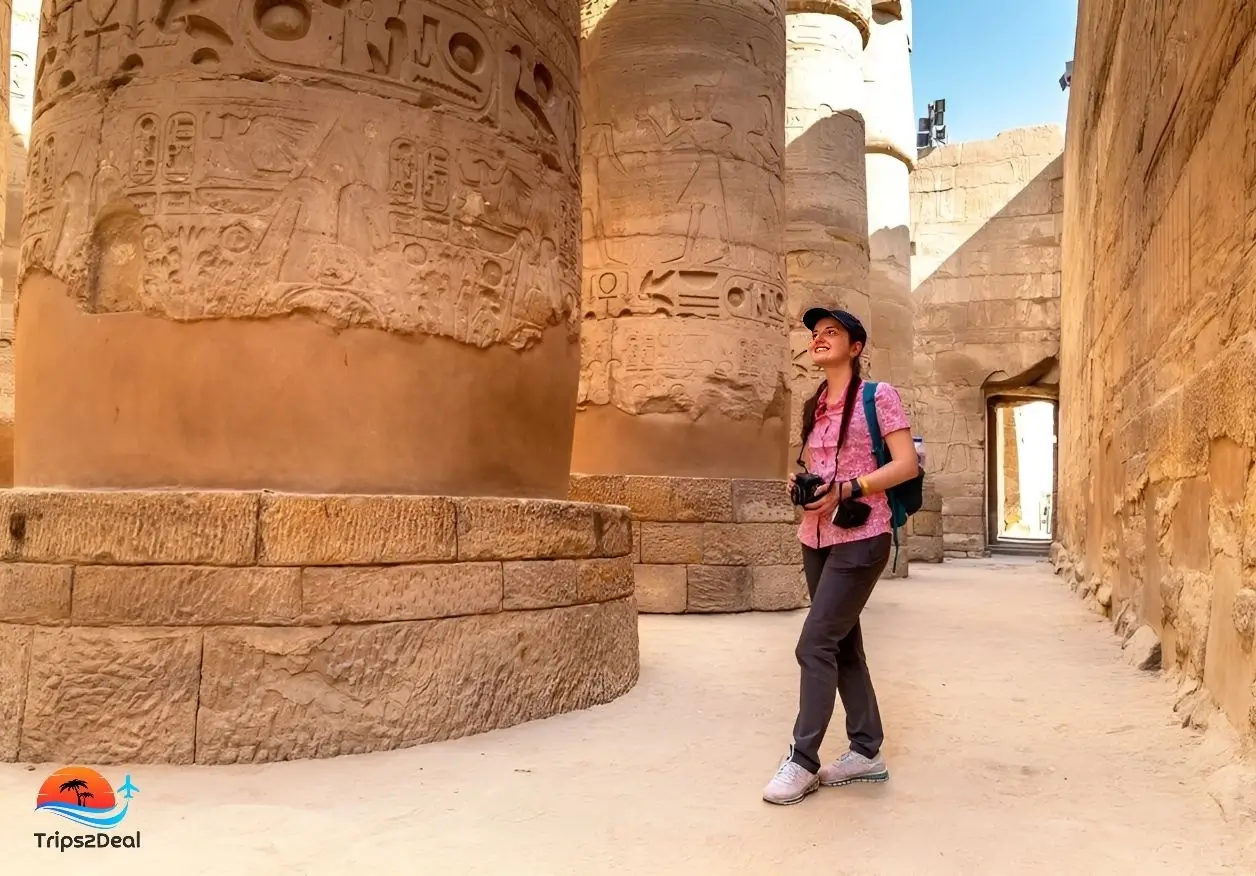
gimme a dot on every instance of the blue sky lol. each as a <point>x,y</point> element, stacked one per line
<point>997,63</point>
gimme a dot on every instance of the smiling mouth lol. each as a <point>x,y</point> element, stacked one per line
<point>821,348</point>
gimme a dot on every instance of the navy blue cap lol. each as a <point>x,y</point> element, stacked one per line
<point>850,322</point>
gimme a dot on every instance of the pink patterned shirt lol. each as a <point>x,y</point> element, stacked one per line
<point>816,529</point>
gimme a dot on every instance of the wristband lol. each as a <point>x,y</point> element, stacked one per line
<point>863,486</point>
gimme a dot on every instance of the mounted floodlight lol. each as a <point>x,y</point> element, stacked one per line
<point>1067,79</point>
<point>923,125</point>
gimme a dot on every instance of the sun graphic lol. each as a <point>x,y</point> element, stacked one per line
<point>76,786</point>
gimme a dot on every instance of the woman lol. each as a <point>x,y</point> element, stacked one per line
<point>841,564</point>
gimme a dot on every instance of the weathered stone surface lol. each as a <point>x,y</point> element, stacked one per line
<point>613,525</point>
<point>720,588</point>
<point>778,588</point>
<point>985,272</point>
<point>763,501</point>
<point>661,589</point>
<point>524,529</point>
<point>185,595</point>
<point>599,489</point>
<point>687,500</point>
<point>279,694</point>
<point>672,542</point>
<point>123,527</point>
<point>683,345</point>
<point>352,530</point>
<point>15,644</point>
<point>1157,490</point>
<point>111,696</point>
<point>1142,650</point>
<point>748,543</point>
<point>337,595</point>
<point>34,593</point>
<point>552,583</point>
<point>436,199</point>
<point>826,233</point>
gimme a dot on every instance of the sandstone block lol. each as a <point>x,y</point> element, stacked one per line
<point>1142,650</point>
<point>15,642</point>
<point>531,584</point>
<point>124,527</point>
<point>357,594</point>
<point>926,523</point>
<point>34,593</point>
<point>778,588</point>
<point>356,530</point>
<point>719,588</point>
<point>671,542</point>
<point>897,569</point>
<point>762,501</point>
<point>661,589</point>
<point>599,489</point>
<point>526,529</point>
<point>183,595</point>
<point>924,549</point>
<point>613,526</point>
<point>111,696</point>
<point>690,500</point>
<point>725,544</point>
<point>285,693</point>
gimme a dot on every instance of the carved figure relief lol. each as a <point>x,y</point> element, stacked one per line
<point>683,207</point>
<point>453,212</point>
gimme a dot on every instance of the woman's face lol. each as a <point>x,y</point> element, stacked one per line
<point>830,343</point>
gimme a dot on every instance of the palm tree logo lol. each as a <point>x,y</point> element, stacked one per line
<point>79,787</point>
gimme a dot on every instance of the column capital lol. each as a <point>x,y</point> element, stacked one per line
<point>857,12</point>
<point>883,146</point>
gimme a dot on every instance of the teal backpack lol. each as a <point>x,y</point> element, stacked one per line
<point>905,499</point>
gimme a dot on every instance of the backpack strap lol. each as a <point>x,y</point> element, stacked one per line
<point>874,425</point>
<point>879,451</point>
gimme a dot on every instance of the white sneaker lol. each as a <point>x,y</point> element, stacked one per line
<point>790,784</point>
<point>853,767</point>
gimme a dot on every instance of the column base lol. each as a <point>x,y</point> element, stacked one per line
<point>707,545</point>
<point>222,627</point>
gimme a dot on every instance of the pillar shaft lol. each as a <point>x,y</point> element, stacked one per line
<point>684,343</point>
<point>891,136</point>
<point>341,255</point>
<point>825,183</point>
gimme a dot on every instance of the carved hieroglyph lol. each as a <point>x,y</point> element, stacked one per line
<point>408,166</point>
<point>684,292</point>
<point>827,233</point>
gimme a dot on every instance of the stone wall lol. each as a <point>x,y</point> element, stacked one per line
<point>706,545</point>
<point>986,219</point>
<point>1158,488</point>
<point>227,627</point>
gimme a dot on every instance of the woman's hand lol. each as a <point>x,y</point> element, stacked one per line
<point>830,495</point>
<point>789,486</point>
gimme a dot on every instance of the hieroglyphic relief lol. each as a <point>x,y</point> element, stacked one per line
<point>253,199</point>
<point>683,205</point>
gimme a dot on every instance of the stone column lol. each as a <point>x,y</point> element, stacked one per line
<point>891,147</point>
<point>683,394</point>
<point>360,274</point>
<point>825,179</point>
<point>684,297</point>
<point>322,249</point>
<point>22,47</point>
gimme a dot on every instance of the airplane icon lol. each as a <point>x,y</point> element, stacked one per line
<point>128,790</point>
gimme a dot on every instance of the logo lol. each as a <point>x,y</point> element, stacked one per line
<point>85,797</point>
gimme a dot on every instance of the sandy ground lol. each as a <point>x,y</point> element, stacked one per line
<point>1018,742</point>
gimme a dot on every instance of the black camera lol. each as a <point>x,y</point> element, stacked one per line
<point>803,490</point>
<point>851,514</point>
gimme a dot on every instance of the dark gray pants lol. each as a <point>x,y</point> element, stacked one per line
<point>830,650</point>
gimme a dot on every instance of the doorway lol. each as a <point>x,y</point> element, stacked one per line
<point>1021,473</point>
